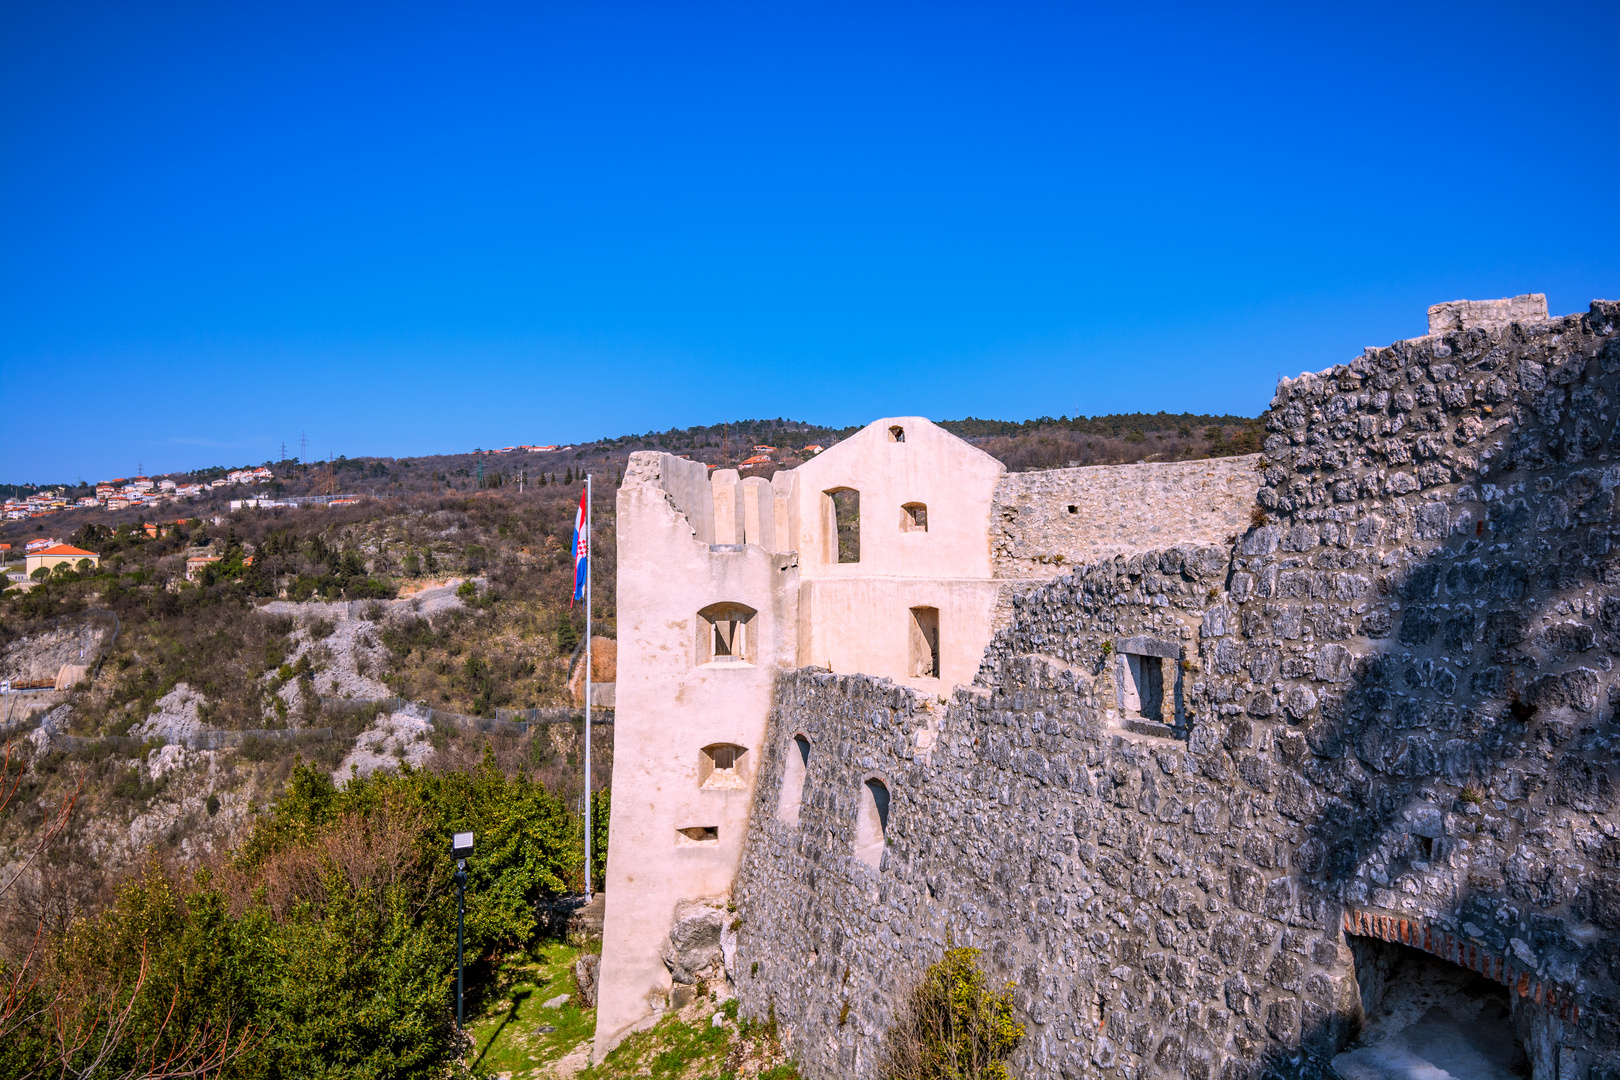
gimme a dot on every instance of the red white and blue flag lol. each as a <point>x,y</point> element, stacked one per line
<point>582,550</point>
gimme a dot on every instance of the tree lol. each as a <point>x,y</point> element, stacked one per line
<point>953,1026</point>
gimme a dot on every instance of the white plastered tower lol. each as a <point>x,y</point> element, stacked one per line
<point>722,584</point>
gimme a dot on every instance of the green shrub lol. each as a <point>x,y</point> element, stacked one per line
<point>953,1027</point>
<point>324,946</point>
<point>257,748</point>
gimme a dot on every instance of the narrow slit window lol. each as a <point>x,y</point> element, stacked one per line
<point>843,524</point>
<point>872,825</point>
<point>914,517</point>
<point>793,775</point>
<point>701,834</point>
<point>725,634</point>
<point>924,642</point>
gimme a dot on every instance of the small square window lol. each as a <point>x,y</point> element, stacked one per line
<point>720,765</point>
<point>725,634</point>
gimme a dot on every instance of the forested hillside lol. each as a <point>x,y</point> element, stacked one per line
<point>1042,443</point>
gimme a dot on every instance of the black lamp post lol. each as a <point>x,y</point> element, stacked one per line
<point>461,848</point>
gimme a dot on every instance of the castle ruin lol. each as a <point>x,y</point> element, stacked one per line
<point>1219,762</point>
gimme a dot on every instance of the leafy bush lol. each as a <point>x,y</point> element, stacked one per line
<point>953,1027</point>
<point>323,946</point>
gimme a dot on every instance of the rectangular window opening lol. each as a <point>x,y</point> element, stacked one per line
<point>843,512</point>
<point>1145,678</point>
<point>1147,675</point>
<point>728,640</point>
<point>925,642</point>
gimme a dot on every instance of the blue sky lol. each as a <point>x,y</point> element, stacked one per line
<point>408,230</point>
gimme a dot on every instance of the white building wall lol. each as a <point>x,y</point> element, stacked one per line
<point>668,709</point>
<point>687,540</point>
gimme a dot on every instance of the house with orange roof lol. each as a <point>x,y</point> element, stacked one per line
<point>196,563</point>
<point>56,554</point>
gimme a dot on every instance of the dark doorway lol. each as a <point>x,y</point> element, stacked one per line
<point>1425,1017</point>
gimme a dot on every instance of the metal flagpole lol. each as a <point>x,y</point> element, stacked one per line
<point>588,561</point>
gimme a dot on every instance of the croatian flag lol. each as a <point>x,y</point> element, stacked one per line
<point>582,550</point>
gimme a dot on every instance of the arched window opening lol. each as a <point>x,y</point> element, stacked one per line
<point>793,774</point>
<point>897,434</point>
<point>725,634</point>
<point>841,524</point>
<point>872,825</point>
<point>720,766</point>
<point>924,633</point>
<point>914,517</point>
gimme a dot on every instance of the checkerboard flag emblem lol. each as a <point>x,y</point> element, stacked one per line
<point>582,550</point>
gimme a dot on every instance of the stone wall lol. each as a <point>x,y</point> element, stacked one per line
<point>1042,521</point>
<point>1401,704</point>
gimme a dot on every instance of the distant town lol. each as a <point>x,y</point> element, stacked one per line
<point>123,492</point>
<point>127,491</point>
<point>144,491</point>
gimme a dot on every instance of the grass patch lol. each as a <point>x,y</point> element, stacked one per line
<point>507,1035</point>
<point>688,1045</point>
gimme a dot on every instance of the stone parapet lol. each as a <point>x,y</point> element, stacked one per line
<point>1042,522</point>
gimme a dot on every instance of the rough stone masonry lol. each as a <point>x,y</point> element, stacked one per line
<point>1394,723</point>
